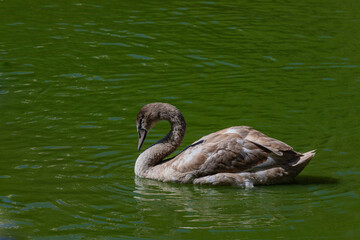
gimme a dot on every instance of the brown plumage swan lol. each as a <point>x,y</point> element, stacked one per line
<point>234,156</point>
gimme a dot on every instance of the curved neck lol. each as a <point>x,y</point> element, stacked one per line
<point>164,147</point>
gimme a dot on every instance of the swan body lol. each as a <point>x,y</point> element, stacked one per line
<point>238,155</point>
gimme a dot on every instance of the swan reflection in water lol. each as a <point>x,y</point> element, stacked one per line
<point>204,207</point>
<point>172,206</point>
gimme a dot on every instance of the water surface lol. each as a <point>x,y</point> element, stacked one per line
<point>73,76</point>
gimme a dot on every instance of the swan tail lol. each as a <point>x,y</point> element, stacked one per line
<point>304,160</point>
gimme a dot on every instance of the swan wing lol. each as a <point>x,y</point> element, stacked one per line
<point>274,145</point>
<point>234,149</point>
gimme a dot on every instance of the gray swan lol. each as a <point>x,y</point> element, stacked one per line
<point>239,155</point>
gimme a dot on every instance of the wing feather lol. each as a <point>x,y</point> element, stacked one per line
<point>234,149</point>
<point>274,145</point>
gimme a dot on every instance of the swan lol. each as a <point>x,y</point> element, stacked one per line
<point>240,155</point>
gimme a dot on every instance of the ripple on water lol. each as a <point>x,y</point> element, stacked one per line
<point>136,56</point>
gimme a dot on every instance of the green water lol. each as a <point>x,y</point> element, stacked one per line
<point>74,74</point>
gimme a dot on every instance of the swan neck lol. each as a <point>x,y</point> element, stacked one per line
<point>153,155</point>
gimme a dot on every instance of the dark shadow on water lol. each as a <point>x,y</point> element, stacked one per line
<point>307,180</point>
<point>300,180</point>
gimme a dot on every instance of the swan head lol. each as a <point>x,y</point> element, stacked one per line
<point>142,128</point>
<point>147,118</point>
<point>151,114</point>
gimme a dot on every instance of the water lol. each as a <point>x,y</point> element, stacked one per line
<point>73,76</point>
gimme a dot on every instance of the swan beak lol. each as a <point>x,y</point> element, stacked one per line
<point>142,136</point>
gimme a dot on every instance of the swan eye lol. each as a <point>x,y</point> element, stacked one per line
<point>140,125</point>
